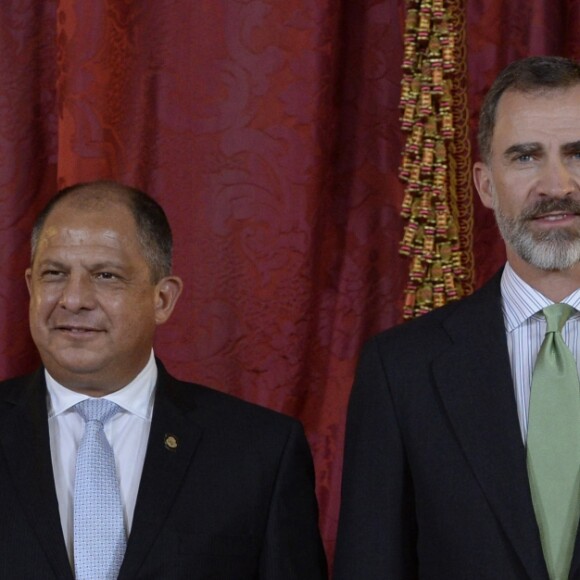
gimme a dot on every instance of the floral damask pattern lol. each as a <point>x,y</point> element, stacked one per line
<point>270,132</point>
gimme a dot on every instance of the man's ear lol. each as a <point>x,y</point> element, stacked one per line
<point>167,291</point>
<point>28,278</point>
<point>483,183</point>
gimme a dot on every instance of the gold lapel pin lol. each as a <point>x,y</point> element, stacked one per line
<point>171,442</point>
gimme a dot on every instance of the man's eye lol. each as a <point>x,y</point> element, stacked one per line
<point>51,274</point>
<point>106,276</point>
<point>525,158</point>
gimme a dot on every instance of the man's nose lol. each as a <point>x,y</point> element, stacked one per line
<point>558,180</point>
<point>78,293</point>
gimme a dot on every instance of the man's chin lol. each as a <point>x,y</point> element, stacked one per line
<point>550,256</point>
<point>548,249</point>
<point>79,366</point>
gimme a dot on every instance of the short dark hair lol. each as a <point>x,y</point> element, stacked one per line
<point>532,74</point>
<point>153,229</point>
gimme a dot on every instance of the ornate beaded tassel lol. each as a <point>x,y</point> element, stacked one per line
<point>437,203</point>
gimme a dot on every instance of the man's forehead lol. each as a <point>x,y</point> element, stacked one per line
<point>70,223</point>
<point>77,211</point>
<point>79,233</point>
<point>532,117</point>
<point>530,98</point>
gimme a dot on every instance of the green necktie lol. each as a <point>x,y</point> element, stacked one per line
<point>553,445</point>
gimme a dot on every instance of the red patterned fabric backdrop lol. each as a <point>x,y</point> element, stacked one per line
<point>270,133</point>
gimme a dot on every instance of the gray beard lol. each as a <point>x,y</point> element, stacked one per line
<point>551,250</point>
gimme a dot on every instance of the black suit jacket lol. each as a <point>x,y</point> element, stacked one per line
<point>435,482</point>
<point>234,500</point>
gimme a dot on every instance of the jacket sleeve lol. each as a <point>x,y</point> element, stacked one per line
<point>377,529</point>
<point>292,548</point>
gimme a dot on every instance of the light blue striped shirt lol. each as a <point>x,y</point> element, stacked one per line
<point>525,329</point>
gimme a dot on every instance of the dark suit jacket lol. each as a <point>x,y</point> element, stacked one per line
<point>435,482</point>
<point>234,500</point>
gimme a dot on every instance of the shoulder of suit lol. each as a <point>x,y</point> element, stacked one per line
<point>428,329</point>
<point>210,401</point>
<point>16,387</point>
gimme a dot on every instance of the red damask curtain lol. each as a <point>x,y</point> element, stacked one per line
<point>270,132</point>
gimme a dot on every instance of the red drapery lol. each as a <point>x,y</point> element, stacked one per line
<point>270,133</point>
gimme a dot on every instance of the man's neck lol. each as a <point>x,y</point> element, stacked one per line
<point>553,284</point>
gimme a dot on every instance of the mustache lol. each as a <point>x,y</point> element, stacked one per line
<point>550,205</point>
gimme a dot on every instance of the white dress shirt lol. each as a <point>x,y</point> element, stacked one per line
<point>525,330</point>
<point>127,432</point>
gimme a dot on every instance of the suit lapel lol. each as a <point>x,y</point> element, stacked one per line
<point>25,442</point>
<point>173,439</point>
<point>474,381</point>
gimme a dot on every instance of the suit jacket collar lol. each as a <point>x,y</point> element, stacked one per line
<point>474,381</point>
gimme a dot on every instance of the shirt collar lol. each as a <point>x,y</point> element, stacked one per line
<point>521,301</point>
<point>135,398</point>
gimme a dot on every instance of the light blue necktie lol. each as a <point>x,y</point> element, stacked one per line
<point>99,530</point>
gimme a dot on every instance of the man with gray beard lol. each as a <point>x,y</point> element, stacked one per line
<point>462,454</point>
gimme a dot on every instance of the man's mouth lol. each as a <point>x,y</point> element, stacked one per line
<point>554,217</point>
<point>553,210</point>
<point>76,329</point>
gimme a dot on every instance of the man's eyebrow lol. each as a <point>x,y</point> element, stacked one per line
<point>49,262</point>
<point>100,265</point>
<point>522,149</point>
<point>573,147</point>
<point>106,264</point>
